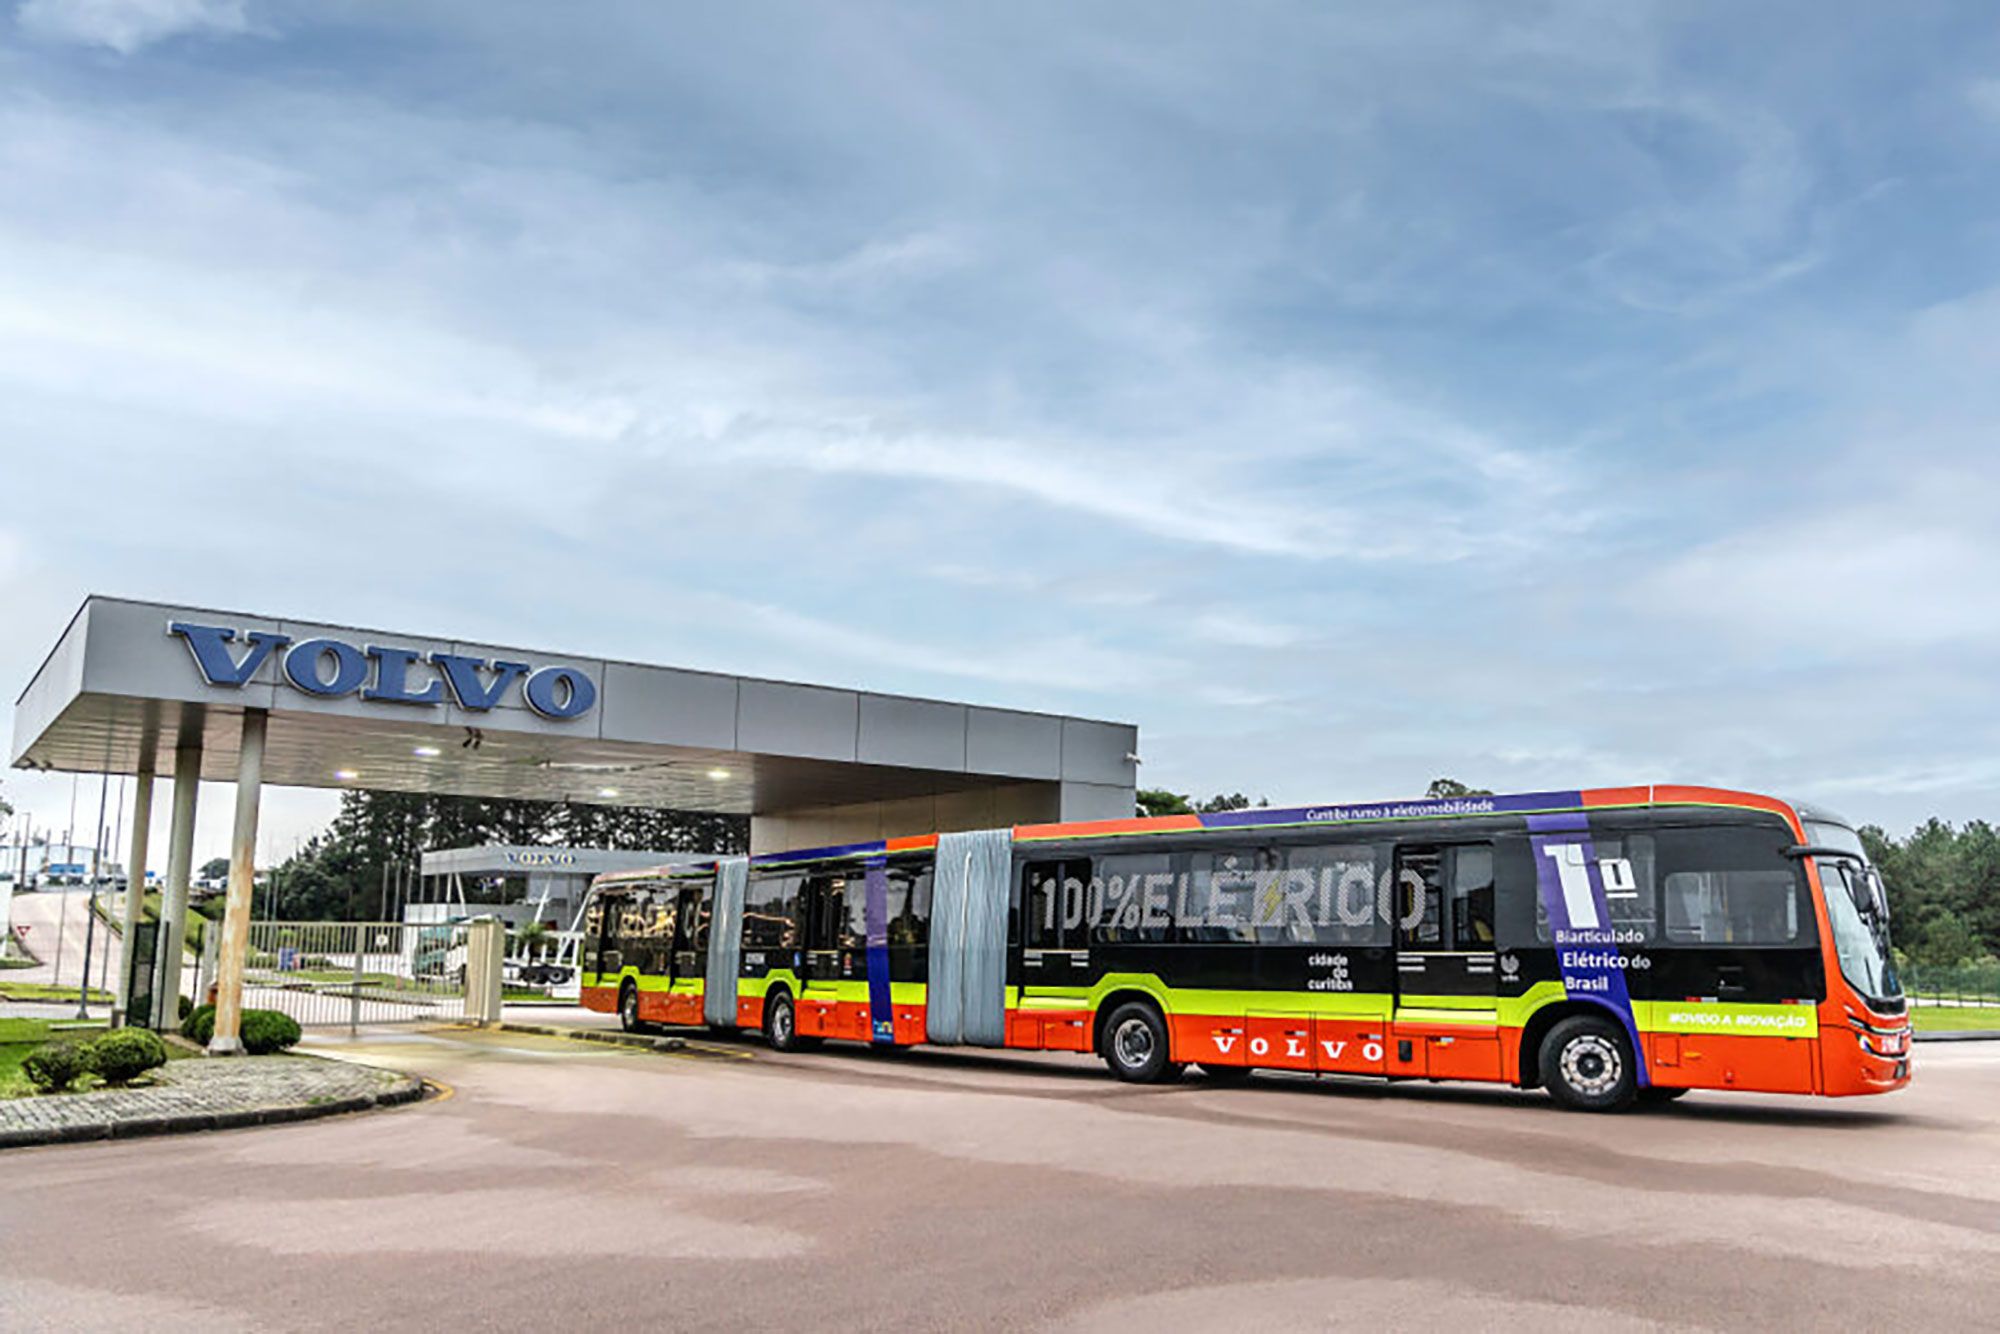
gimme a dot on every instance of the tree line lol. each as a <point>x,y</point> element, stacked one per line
<point>1944,891</point>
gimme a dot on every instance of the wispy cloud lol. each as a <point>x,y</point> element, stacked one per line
<point>125,26</point>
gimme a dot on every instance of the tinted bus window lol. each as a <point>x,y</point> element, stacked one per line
<point>1342,903</point>
<point>909,905</point>
<point>1229,893</point>
<point>1627,866</point>
<point>1731,887</point>
<point>1132,898</point>
<point>771,912</point>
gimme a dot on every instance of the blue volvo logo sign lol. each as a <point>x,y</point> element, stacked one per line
<point>331,668</point>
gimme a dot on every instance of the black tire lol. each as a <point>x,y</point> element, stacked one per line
<point>628,1007</point>
<point>1135,1045</point>
<point>1226,1074</point>
<point>1655,1096</point>
<point>781,1023</point>
<point>1587,1065</point>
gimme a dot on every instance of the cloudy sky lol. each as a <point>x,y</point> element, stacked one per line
<point>1347,394</point>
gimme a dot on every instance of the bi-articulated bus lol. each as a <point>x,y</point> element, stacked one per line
<point>1611,946</point>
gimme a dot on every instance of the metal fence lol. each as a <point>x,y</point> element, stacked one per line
<point>357,973</point>
<point>1965,984</point>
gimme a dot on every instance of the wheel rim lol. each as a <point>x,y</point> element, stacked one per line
<point>629,1011</point>
<point>1592,1064</point>
<point>781,1023</point>
<point>1133,1043</point>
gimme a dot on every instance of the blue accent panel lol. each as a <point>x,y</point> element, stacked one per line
<point>1587,949</point>
<point>392,678</point>
<point>1461,807</point>
<point>560,692</point>
<point>462,674</point>
<point>881,1004</point>
<point>209,643</point>
<point>820,854</point>
<point>302,662</point>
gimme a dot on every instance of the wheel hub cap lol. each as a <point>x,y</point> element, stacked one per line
<point>1592,1065</point>
<point>1133,1043</point>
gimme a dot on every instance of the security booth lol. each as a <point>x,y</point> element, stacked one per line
<point>193,694</point>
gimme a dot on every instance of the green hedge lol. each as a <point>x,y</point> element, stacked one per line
<point>124,1054</point>
<point>267,1031</point>
<point>262,1031</point>
<point>54,1066</point>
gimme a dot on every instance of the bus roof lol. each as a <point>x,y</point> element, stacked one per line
<point>1282,817</point>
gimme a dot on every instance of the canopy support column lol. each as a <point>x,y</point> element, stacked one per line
<point>180,869</point>
<point>242,884</point>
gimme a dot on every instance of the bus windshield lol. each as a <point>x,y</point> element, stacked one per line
<point>1858,910</point>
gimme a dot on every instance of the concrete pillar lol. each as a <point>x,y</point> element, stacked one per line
<point>180,869</point>
<point>242,884</point>
<point>485,945</point>
<point>135,881</point>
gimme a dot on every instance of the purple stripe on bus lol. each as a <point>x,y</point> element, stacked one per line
<point>1589,954</point>
<point>881,1002</point>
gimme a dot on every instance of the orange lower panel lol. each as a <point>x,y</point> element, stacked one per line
<point>1730,1061</point>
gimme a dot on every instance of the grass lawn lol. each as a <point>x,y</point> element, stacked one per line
<point>1954,1018</point>
<point>42,991</point>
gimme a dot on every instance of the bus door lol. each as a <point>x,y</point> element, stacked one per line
<point>601,959</point>
<point>1055,955</point>
<point>823,912</point>
<point>1447,1020</point>
<point>690,946</point>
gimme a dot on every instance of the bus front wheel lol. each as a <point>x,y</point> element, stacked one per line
<point>1587,1065</point>
<point>628,1006</point>
<point>1135,1045</point>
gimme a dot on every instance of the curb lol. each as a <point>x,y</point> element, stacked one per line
<point>1959,1035</point>
<point>598,1035</point>
<point>139,1127</point>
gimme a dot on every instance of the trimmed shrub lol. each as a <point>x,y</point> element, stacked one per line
<point>199,1026</point>
<point>267,1031</point>
<point>124,1054</point>
<point>54,1066</point>
<point>187,1006</point>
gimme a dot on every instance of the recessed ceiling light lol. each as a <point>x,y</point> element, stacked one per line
<point>346,775</point>
<point>718,774</point>
<point>607,792</point>
<point>428,752</point>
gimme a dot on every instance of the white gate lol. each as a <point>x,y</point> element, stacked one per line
<point>358,973</point>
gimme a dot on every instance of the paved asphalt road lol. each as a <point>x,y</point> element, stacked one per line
<point>568,1186</point>
<point>58,930</point>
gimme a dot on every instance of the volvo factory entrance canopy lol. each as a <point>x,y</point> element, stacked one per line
<point>139,687</point>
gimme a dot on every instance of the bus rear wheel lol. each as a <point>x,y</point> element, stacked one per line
<point>628,1006</point>
<point>1587,1065</point>
<point>1135,1045</point>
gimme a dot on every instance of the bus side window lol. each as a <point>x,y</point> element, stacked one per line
<point>770,912</point>
<point>1472,896</point>
<point>1625,869</point>
<point>908,905</point>
<point>1232,895</point>
<point>1136,905</point>
<point>854,921</point>
<point>1044,921</point>
<point>1732,886</point>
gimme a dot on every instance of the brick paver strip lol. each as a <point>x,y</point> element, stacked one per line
<point>206,1094</point>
